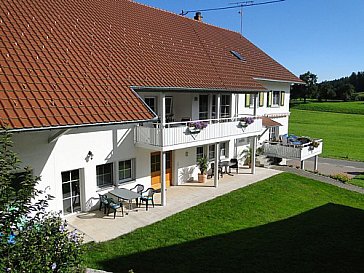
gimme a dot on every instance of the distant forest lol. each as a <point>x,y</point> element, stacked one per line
<point>346,88</point>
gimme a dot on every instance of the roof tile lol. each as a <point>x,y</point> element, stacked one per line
<point>73,62</point>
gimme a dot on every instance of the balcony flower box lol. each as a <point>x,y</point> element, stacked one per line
<point>195,127</point>
<point>245,121</point>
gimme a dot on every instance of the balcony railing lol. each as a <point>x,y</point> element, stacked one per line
<point>301,152</point>
<point>184,133</point>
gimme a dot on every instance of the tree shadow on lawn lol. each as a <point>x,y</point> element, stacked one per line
<point>329,238</point>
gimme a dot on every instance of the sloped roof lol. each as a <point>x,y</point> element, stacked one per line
<point>268,122</point>
<point>73,62</point>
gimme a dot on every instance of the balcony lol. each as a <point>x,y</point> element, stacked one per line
<point>178,135</point>
<point>290,151</point>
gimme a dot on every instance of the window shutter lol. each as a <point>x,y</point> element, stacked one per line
<point>282,98</point>
<point>261,99</point>
<point>269,99</point>
<point>247,100</point>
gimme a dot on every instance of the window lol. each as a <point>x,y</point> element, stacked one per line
<point>199,153</point>
<point>225,106</point>
<point>276,98</point>
<point>71,191</point>
<point>155,162</point>
<point>223,149</point>
<point>203,107</point>
<point>104,175</point>
<point>126,170</point>
<point>237,55</point>
<point>213,107</point>
<point>274,133</point>
<point>151,102</point>
<point>169,106</point>
<point>212,151</point>
<point>261,99</point>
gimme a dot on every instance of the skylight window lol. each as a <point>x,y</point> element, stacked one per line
<point>237,55</point>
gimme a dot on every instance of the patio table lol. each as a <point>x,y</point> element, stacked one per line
<point>226,164</point>
<point>125,194</point>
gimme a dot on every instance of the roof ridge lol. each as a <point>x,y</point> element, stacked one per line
<point>182,16</point>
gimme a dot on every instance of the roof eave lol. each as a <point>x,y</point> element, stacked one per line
<point>193,89</point>
<point>282,81</point>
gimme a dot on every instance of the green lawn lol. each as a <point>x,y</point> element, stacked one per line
<point>353,107</point>
<point>342,133</point>
<point>285,223</point>
<point>358,180</point>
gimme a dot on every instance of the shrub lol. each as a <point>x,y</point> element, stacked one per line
<point>31,239</point>
<point>341,177</point>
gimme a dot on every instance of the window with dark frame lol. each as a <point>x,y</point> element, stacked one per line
<point>104,175</point>
<point>203,107</point>
<point>151,102</point>
<point>126,170</point>
<point>199,153</point>
<point>211,151</point>
<point>225,106</point>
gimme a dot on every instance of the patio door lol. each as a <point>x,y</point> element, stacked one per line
<point>71,193</point>
<point>155,167</point>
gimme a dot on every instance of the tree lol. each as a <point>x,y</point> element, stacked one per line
<point>346,91</point>
<point>326,91</point>
<point>31,239</point>
<point>310,90</point>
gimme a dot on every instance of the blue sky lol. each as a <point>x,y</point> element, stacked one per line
<point>325,37</point>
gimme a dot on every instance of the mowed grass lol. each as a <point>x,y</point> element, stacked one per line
<point>342,134</point>
<point>286,223</point>
<point>358,180</point>
<point>354,107</point>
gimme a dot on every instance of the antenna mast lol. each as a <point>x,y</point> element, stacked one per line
<point>241,5</point>
<point>234,6</point>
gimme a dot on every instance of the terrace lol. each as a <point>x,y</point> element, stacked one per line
<point>294,147</point>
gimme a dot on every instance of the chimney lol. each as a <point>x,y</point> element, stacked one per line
<point>198,16</point>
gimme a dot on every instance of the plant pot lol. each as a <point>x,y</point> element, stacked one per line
<point>202,178</point>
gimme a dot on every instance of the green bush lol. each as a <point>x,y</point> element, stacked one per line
<point>31,239</point>
<point>341,177</point>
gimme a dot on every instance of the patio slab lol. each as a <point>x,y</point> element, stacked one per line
<point>99,227</point>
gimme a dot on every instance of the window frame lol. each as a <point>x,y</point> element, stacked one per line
<point>276,97</point>
<point>202,115</point>
<point>154,107</point>
<point>212,153</point>
<point>225,104</point>
<point>199,154</point>
<point>132,171</point>
<point>104,185</point>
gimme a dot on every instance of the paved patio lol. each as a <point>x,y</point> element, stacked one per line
<point>99,227</point>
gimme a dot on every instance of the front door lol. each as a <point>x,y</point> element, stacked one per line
<point>155,167</point>
<point>71,193</point>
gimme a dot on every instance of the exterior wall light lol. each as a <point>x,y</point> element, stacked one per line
<point>90,155</point>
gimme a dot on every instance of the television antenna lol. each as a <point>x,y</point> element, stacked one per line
<point>235,5</point>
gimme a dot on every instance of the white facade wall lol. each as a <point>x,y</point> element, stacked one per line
<point>111,144</point>
<point>69,152</point>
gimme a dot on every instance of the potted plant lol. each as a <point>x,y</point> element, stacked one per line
<point>248,159</point>
<point>202,165</point>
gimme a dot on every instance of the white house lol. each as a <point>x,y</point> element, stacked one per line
<point>101,94</point>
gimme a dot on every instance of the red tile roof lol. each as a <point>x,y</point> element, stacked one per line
<point>73,62</point>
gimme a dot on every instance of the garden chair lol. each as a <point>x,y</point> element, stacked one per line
<point>114,206</point>
<point>103,202</point>
<point>234,164</point>
<point>211,172</point>
<point>139,189</point>
<point>147,196</point>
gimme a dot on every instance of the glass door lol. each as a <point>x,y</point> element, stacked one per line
<point>71,191</point>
